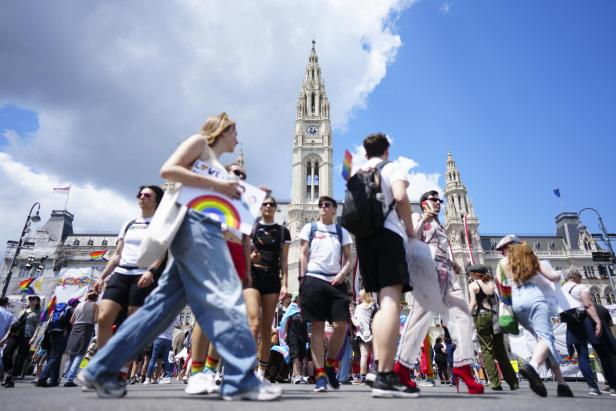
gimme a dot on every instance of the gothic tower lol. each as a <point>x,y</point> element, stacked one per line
<point>458,207</point>
<point>312,148</point>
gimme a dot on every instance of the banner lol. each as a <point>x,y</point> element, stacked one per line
<point>237,216</point>
<point>74,282</point>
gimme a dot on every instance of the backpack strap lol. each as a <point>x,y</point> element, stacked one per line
<point>313,230</point>
<point>128,226</point>
<point>379,169</point>
<point>339,232</point>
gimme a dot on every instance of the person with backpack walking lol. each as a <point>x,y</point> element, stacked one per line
<point>482,299</point>
<point>324,262</point>
<point>59,328</point>
<point>378,212</point>
<point>125,284</point>
<point>18,340</point>
<point>268,273</point>
<point>429,230</point>
<point>83,319</point>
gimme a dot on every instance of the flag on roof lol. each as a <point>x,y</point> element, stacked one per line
<point>62,190</point>
<point>95,255</point>
<point>557,192</point>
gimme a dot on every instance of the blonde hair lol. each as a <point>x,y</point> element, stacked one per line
<point>365,296</point>
<point>216,125</point>
<point>523,262</point>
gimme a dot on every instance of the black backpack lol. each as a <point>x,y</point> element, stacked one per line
<point>362,213</point>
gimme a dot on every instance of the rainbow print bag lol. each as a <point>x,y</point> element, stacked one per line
<point>506,319</point>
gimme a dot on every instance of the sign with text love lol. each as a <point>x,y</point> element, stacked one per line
<point>236,216</point>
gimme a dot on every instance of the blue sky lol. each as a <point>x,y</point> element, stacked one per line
<point>523,93</point>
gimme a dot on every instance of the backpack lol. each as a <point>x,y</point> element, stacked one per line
<point>18,327</point>
<point>362,213</point>
<point>314,229</point>
<point>59,318</point>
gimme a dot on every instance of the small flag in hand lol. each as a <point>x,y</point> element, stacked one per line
<point>346,165</point>
<point>557,192</point>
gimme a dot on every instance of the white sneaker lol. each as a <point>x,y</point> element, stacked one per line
<point>202,383</point>
<point>263,392</point>
<point>147,381</point>
<point>165,380</point>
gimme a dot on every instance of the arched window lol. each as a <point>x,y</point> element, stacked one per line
<point>90,242</point>
<point>104,243</point>
<point>316,180</point>
<point>76,242</point>
<point>312,103</point>
<point>596,295</point>
<point>610,297</point>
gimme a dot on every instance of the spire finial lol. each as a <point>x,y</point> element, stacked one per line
<point>314,42</point>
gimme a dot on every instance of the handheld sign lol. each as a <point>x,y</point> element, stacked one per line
<point>236,216</point>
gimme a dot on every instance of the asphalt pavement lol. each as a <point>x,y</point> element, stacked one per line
<point>25,397</point>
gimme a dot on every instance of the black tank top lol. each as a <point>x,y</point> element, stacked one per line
<point>481,297</point>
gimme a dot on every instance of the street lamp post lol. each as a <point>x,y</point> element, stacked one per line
<point>606,239</point>
<point>31,218</point>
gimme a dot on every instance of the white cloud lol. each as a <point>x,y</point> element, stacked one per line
<point>94,207</point>
<point>118,84</point>
<point>445,8</point>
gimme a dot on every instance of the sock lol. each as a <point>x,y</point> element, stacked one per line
<point>211,363</point>
<point>263,365</point>
<point>319,372</point>
<point>533,364</point>
<point>196,367</point>
<point>331,363</point>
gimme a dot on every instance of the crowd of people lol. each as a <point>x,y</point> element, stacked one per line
<point>250,332</point>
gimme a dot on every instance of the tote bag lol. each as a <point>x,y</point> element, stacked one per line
<point>506,319</point>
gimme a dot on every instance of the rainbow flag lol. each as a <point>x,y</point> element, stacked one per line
<point>95,255</point>
<point>25,287</point>
<point>45,315</point>
<point>505,292</point>
<point>346,165</point>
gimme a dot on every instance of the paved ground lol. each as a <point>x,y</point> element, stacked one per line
<point>25,397</point>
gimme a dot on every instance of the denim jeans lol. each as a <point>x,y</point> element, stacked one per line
<point>344,372</point>
<point>52,368</point>
<point>202,275</point>
<point>73,363</point>
<point>162,346</point>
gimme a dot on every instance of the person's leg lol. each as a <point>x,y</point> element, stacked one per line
<point>386,326</point>
<point>154,358</point>
<point>55,356</point>
<point>460,324</point>
<point>165,347</point>
<point>12,345</point>
<point>317,346</point>
<point>364,349</point>
<point>107,313</point>
<point>252,296</point>
<point>500,352</point>
<point>416,326</point>
<point>608,365</point>
<point>23,351</point>
<point>159,310</point>
<point>75,362</point>
<point>584,364</point>
<point>483,324</point>
<point>268,309</point>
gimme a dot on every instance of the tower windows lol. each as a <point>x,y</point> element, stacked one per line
<point>312,104</point>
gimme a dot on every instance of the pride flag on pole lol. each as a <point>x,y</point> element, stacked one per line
<point>346,165</point>
<point>25,287</point>
<point>45,315</point>
<point>95,255</point>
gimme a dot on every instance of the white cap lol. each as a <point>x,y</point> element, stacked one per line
<point>507,240</point>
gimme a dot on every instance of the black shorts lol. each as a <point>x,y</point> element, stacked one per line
<point>382,261</point>
<point>123,289</point>
<point>321,301</point>
<point>297,349</point>
<point>264,281</point>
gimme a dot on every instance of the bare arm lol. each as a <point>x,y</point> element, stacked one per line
<point>403,206</point>
<point>303,258</point>
<point>346,265</point>
<point>246,250</point>
<point>284,270</point>
<point>472,295</point>
<point>550,274</point>
<point>591,310</point>
<point>177,168</point>
<point>111,265</point>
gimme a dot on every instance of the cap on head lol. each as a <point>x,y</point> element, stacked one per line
<point>508,240</point>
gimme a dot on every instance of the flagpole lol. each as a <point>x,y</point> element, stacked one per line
<point>67,195</point>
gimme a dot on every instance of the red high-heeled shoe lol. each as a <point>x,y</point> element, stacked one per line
<point>466,374</point>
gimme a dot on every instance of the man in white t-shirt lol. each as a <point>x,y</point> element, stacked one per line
<point>325,261</point>
<point>384,268</point>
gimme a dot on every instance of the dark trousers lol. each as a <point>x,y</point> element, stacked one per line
<point>14,345</point>
<point>493,348</point>
<point>584,364</point>
<point>52,368</point>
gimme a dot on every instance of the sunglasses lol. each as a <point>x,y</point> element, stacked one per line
<point>268,204</point>
<point>325,205</point>
<point>146,195</point>
<point>239,173</point>
<point>436,200</point>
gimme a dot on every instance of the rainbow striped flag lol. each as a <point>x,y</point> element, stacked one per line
<point>45,315</point>
<point>25,287</point>
<point>95,255</point>
<point>427,357</point>
<point>346,165</point>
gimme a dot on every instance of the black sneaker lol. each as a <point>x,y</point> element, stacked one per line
<point>8,383</point>
<point>534,380</point>
<point>331,377</point>
<point>386,385</point>
<point>563,390</point>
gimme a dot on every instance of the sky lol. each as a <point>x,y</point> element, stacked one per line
<point>98,94</point>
